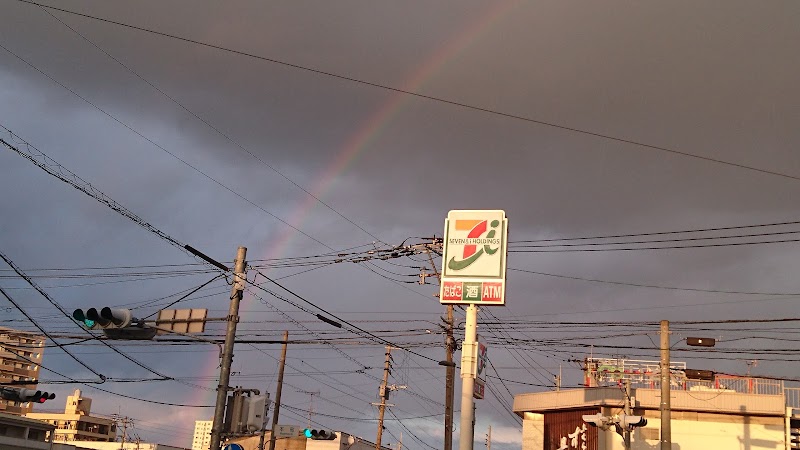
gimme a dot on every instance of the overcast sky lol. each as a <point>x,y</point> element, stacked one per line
<point>577,119</point>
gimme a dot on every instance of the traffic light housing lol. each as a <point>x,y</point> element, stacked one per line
<point>702,375</point>
<point>597,420</point>
<point>116,323</point>
<point>631,422</point>
<point>319,435</point>
<point>700,342</point>
<point>26,395</point>
<point>104,318</point>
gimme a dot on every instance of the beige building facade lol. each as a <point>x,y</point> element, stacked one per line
<point>20,360</point>
<point>76,422</point>
<point>700,419</point>
<point>343,441</point>
<point>202,434</point>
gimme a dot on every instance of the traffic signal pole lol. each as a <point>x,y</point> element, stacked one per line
<point>237,292</point>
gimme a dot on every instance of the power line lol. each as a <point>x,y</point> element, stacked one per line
<point>660,233</point>
<point>162,148</point>
<point>16,305</point>
<point>66,314</point>
<point>653,286</point>
<point>206,122</point>
<point>732,244</point>
<point>423,96</point>
<point>658,241</point>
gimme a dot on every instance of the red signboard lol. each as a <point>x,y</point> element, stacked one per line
<point>481,292</point>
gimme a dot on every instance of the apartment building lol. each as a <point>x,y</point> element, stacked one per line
<point>20,361</point>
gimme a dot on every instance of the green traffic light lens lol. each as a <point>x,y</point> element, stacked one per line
<point>307,432</point>
<point>80,316</point>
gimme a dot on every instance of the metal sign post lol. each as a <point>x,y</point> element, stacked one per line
<point>473,273</point>
<point>469,365</point>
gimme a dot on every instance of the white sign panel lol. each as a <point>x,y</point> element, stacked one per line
<point>287,431</point>
<point>474,259</point>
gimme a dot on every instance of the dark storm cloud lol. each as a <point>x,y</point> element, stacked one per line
<point>716,82</point>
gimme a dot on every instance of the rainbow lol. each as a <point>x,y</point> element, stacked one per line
<point>370,129</point>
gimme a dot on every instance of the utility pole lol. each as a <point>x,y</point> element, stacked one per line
<point>384,390</point>
<point>627,436</point>
<point>467,432</point>
<point>277,396</point>
<point>664,407</point>
<point>449,384</point>
<point>237,291</point>
<point>310,404</point>
<point>450,369</point>
<point>489,439</point>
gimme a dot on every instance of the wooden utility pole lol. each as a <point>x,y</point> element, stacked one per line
<point>384,393</point>
<point>627,436</point>
<point>237,291</point>
<point>664,407</point>
<point>277,396</point>
<point>450,369</point>
<point>449,384</point>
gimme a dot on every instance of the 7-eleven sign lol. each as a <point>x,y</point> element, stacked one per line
<point>474,259</point>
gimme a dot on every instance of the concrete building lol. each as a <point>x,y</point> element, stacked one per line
<point>94,445</point>
<point>21,433</point>
<point>724,413</point>
<point>343,441</point>
<point>20,358</point>
<point>202,434</point>
<point>76,422</point>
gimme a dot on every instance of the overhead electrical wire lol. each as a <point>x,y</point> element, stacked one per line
<point>42,330</point>
<point>652,241</point>
<point>354,328</point>
<point>654,286</point>
<point>353,79</point>
<point>162,148</point>
<point>660,233</point>
<point>66,314</point>
<point>207,123</point>
<point>671,247</point>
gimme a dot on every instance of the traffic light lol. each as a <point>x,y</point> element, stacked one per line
<point>631,422</point>
<point>26,395</point>
<point>700,342</point>
<point>116,323</point>
<point>702,375</point>
<point>319,435</point>
<point>597,420</point>
<point>105,318</point>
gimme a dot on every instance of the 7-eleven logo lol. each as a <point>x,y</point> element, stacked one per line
<point>480,240</point>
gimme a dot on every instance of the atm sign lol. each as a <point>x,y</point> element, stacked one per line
<point>472,291</point>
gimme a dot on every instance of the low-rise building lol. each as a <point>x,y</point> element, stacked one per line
<point>21,433</point>
<point>20,360</point>
<point>95,445</point>
<point>342,441</point>
<point>723,412</point>
<point>76,422</point>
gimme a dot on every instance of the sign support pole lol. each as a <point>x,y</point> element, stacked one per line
<point>468,366</point>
